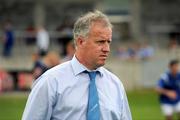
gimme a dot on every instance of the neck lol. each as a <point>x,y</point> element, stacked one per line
<point>83,61</point>
<point>47,62</point>
<point>174,74</point>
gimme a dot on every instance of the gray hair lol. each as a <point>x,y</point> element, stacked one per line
<point>83,24</point>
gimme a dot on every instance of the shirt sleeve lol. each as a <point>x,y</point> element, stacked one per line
<point>162,80</point>
<point>160,83</point>
<point>126,114</point>
<point>40,101</point>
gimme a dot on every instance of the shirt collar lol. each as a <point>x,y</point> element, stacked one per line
<point>79,68</point>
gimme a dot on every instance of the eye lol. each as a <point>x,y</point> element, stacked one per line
<point>109,41</point>
<point>101,42</point>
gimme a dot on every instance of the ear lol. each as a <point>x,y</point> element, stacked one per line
<point>80,41</point>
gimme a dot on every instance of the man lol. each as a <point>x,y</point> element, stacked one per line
<point>42,64</point>
<point>169,90</point>
<point>43,41</point>
<point>8,40</point>
<point>81,89</point>
<point>70,50</point>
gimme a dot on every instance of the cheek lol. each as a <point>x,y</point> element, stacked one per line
<point>97,51</point>
<point>93,49</point>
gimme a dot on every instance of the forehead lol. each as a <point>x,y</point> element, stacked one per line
<point>100,29</point>
<point>174,65</point>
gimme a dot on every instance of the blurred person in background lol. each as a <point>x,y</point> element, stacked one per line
<point>43,64</point>
<point>133,50</point>
<point>70,50</point>
<point>169,90</point>
<point>30,35</point>
<point>145,52</point>
<point>122,53</point>
<point>81,89</point>
<point>66,35</point>
<point>6,81</point>
<point>42,41</point>
<point>8,39</point>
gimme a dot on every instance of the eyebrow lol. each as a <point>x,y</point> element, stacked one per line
<point>104,40</point>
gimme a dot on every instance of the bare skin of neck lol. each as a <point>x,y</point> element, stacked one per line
<point>83,61</point>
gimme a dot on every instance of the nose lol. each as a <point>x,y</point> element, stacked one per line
<point>106,47</point>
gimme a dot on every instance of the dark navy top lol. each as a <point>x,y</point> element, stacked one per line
<point>9,37</point>
<point>39,64</point>
<point>169,82</point>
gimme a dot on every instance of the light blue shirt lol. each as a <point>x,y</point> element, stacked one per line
<point>61,93</point>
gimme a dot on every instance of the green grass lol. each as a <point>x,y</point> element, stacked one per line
<point>11,106</point>
<point>144,105</point>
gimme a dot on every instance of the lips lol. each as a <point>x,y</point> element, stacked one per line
<point>104,56</point>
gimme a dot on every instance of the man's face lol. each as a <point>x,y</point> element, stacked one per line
<point>174,69</point>
<point>96,46</point>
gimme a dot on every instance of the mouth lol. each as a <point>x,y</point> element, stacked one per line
<point>103,56</point>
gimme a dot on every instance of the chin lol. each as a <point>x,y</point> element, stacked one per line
<point>101,64</point>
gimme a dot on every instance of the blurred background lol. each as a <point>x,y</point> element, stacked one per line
<point>146,36</point>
